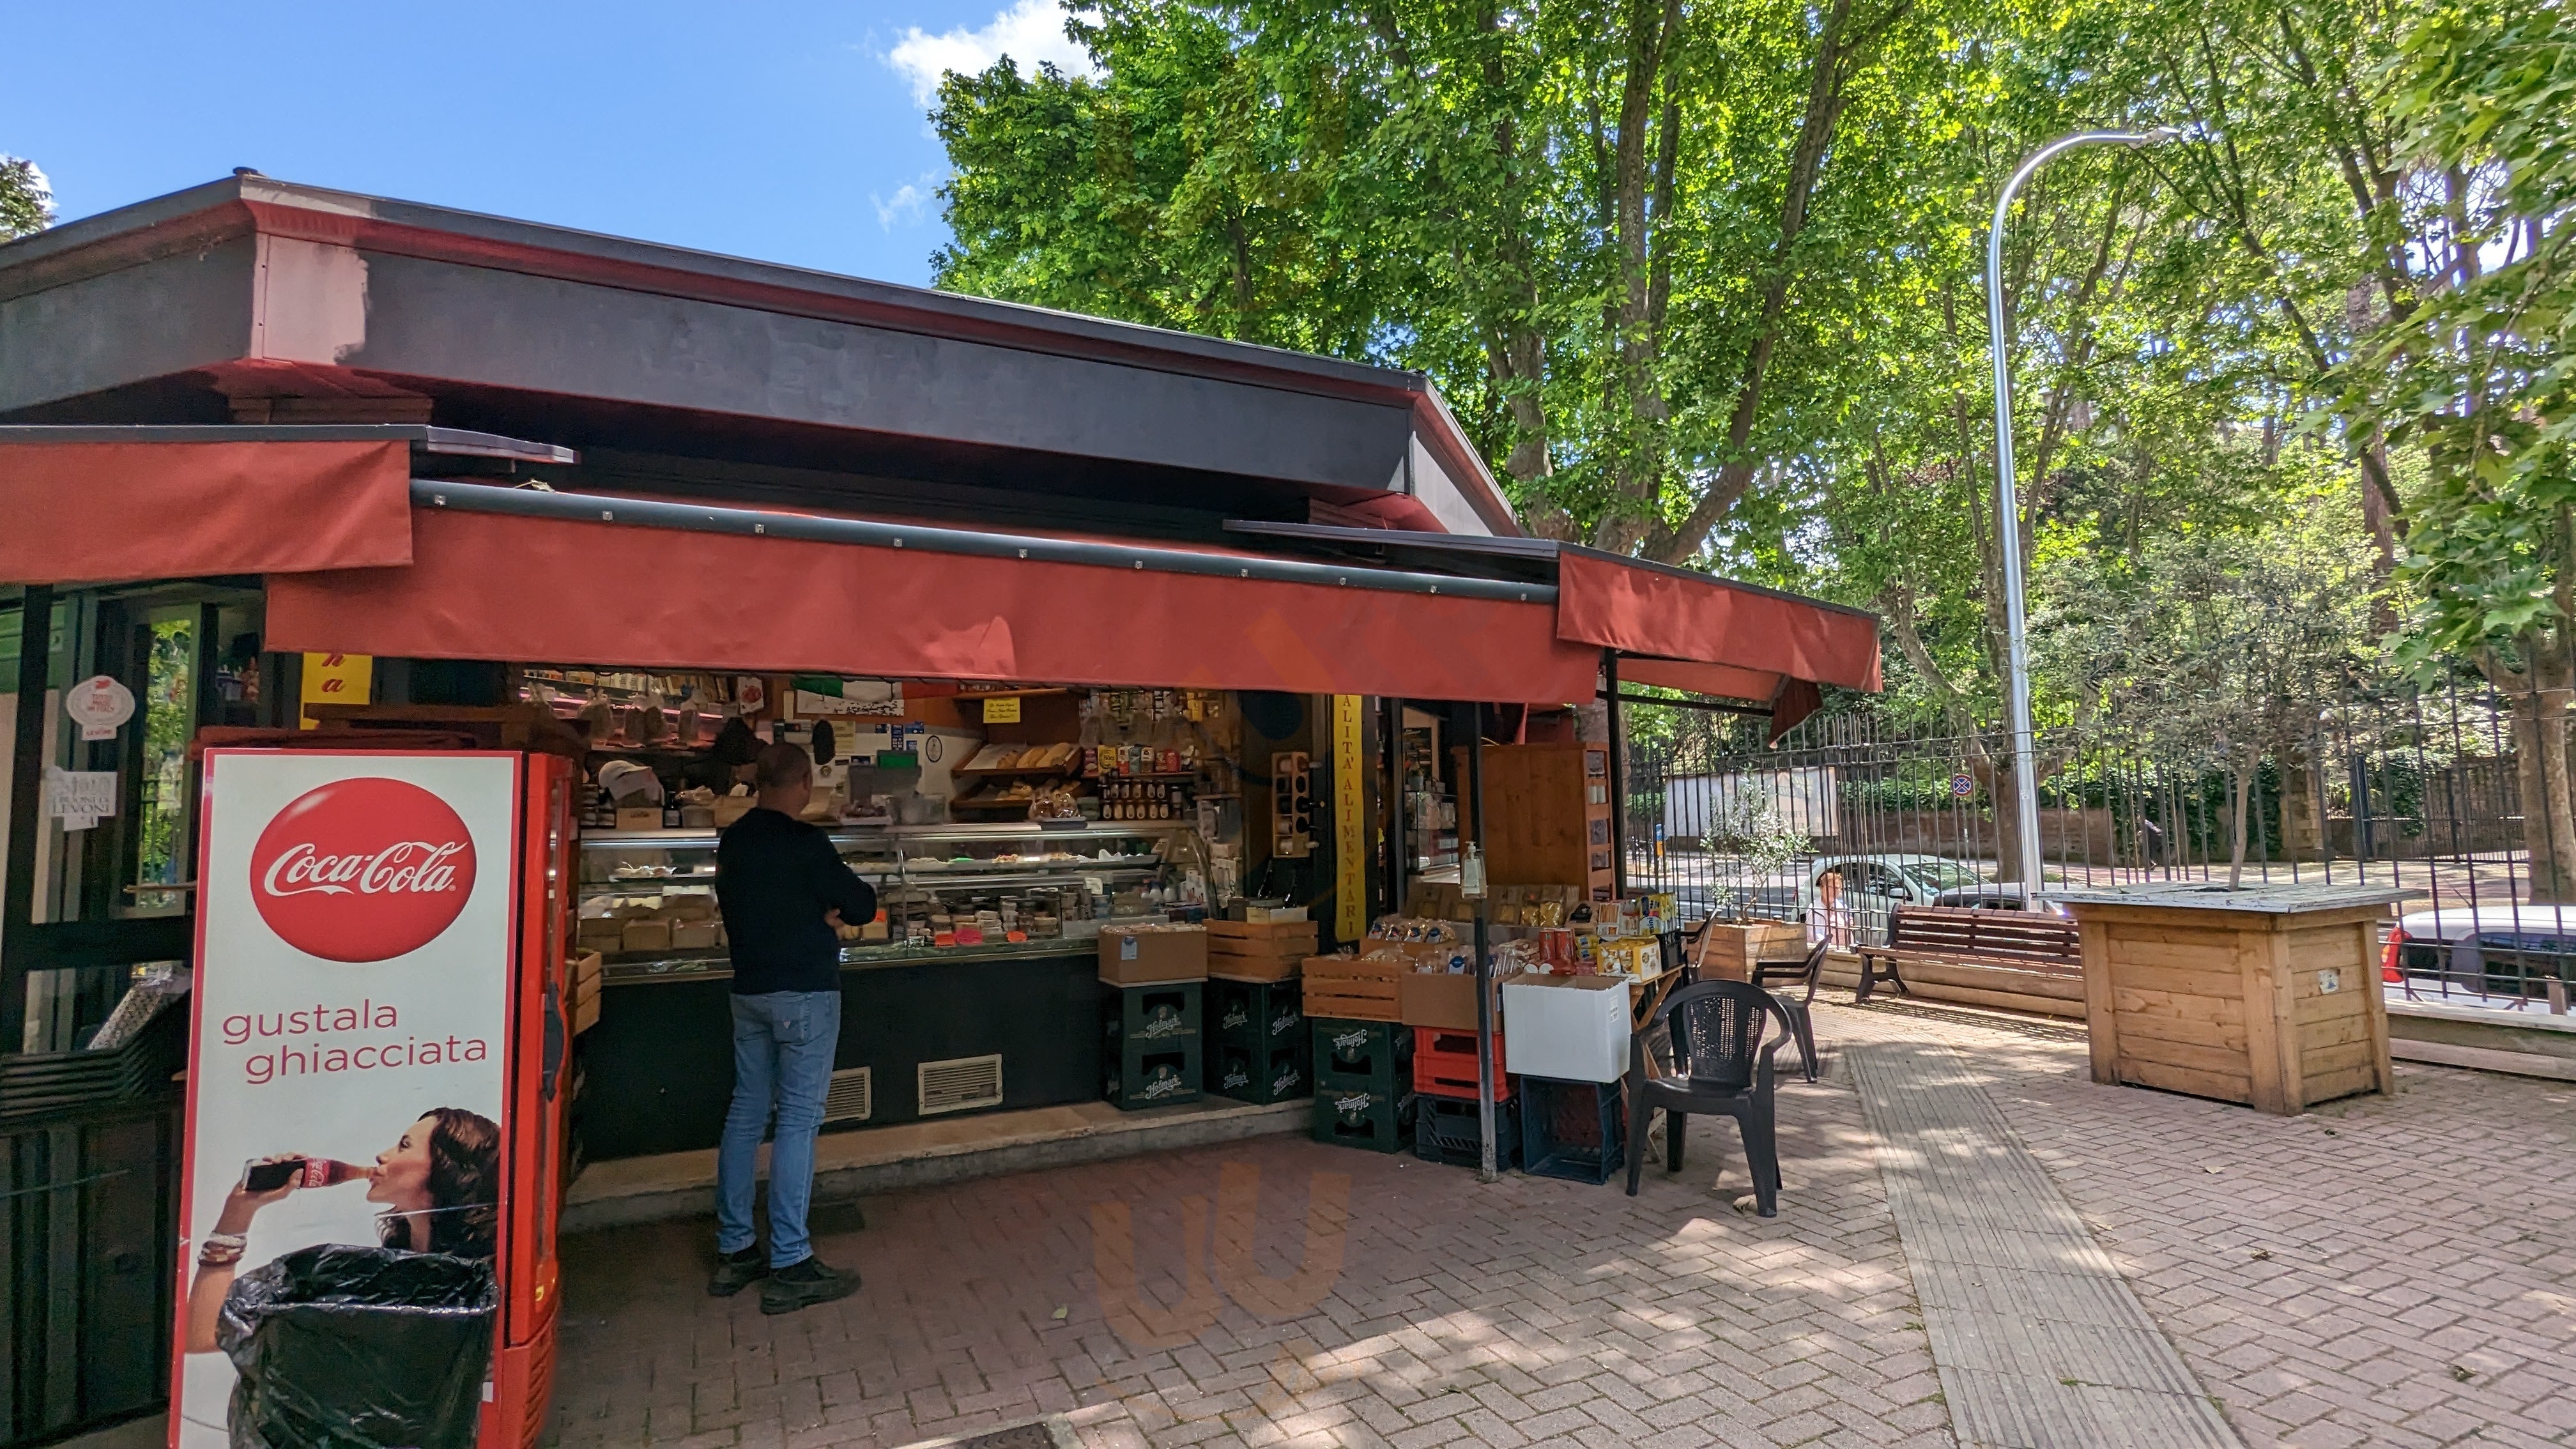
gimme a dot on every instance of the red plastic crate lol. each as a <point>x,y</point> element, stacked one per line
<point>1444,1064</point>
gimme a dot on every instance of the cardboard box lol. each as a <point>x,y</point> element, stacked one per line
<point>730,808</point>
<point>600,933</point>
<point>1570,1028</point>
<point>640,818</point>
<point>1442,999</point>
<point>694,935</point>
<point>645,936</point>
<point>1149,955</point>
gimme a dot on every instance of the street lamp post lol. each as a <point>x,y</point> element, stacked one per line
<point>2008,506</point>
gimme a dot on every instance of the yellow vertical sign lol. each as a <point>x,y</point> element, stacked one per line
<point>336,679</point>
<point>1350,828</point>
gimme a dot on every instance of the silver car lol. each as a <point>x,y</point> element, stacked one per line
<point>2514,956</point>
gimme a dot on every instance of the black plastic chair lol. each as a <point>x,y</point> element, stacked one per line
<point>1720,1054</point>
<point>1811,968</point>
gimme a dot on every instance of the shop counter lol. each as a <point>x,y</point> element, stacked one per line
<point>657,1071</point>
<point>922,1018</point>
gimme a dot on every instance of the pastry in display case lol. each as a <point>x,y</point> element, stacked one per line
<point>980,891</point>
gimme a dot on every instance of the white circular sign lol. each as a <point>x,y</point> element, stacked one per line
<point>98,705</point>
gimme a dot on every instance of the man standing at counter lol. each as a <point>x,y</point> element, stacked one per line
<point>782,889</point>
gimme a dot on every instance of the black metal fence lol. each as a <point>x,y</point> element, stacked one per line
<point>2418,791</point>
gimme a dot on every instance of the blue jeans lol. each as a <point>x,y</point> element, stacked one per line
<point>783,1044</point>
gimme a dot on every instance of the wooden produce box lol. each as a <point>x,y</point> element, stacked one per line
<point>2265,995</point>
<point>1727,950</point>
<point>1347,988</point>
<point>1259,950</point>
<point>581,991</point>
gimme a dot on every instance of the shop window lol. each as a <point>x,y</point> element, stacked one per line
<point>161,813</point>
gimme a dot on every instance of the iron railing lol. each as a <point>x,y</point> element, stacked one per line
<point>2417,790</point>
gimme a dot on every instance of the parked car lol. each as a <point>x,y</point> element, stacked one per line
<point>2505,955</point>
<point>1994,895</point>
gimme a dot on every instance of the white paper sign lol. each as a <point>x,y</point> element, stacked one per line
<point>79,797</point>
<point>98,705</point>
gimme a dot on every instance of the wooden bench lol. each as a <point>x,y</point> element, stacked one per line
<point>1944,935</point>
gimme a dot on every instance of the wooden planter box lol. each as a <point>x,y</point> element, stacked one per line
<point>1728,951</point>
<point>2267,996</point>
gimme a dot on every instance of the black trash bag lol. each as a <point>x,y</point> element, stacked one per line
<point>359,1348</point>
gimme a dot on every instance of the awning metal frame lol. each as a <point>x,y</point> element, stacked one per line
<point>874,533</point>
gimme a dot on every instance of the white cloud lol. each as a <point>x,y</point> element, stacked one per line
<point>908,203</point>
<point>1030,32</point>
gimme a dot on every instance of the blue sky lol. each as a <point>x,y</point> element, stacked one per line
<point>786,130</point>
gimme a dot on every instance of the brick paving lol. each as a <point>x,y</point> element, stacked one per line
<point>2406,1280</point>
<point>2384,1270</point>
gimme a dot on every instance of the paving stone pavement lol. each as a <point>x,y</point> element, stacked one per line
<point>2426,1240</point>
<point>2385,1270</point>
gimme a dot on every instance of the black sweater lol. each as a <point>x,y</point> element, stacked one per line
<point>775,877</point>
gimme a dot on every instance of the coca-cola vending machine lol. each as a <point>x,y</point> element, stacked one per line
<point>375,1111</point>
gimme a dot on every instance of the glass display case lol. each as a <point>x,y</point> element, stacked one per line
<point>945,892</point>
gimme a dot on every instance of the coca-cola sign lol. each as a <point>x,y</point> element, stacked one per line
<point>362,869</point>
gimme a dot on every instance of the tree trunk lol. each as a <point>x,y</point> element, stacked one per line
<point>2540,768</point>
<point>1994,771</point>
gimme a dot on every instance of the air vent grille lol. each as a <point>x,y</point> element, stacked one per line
<point>851,1097</point>
<point>960,1084</point>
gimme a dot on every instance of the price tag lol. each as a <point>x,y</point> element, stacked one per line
<point>99,705</point>
<point>1002,711</point>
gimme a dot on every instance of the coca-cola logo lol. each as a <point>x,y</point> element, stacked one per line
<point>363,869</point>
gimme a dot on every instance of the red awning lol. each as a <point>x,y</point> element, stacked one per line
<point>97,513</point>
<point>1735,638</point>
<point>496,586</point>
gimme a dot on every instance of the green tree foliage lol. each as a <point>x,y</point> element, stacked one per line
<point>1628,238</point>
<point>1704,279</point>
<point>2473,370</point>
<point>26,203</point>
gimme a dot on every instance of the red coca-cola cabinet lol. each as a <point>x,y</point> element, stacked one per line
<point>379,985</point>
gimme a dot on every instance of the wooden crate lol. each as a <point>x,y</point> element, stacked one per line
<point>2268,996</point>
<point>1259,950</point>
<point>1727,950</point>
<point>1351,989</point>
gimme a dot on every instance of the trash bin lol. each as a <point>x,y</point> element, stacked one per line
<point>359,1348</point>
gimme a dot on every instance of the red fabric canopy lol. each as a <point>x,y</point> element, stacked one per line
<point>1665,614</point>
<point>489,586</point>
<point>97,513</point>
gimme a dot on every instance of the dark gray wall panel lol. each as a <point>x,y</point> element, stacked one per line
<point>162,316</point>
<point>434,319</point>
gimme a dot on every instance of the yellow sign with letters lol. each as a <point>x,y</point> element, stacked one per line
<point>1350,827</point>
<point>336,679</point>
